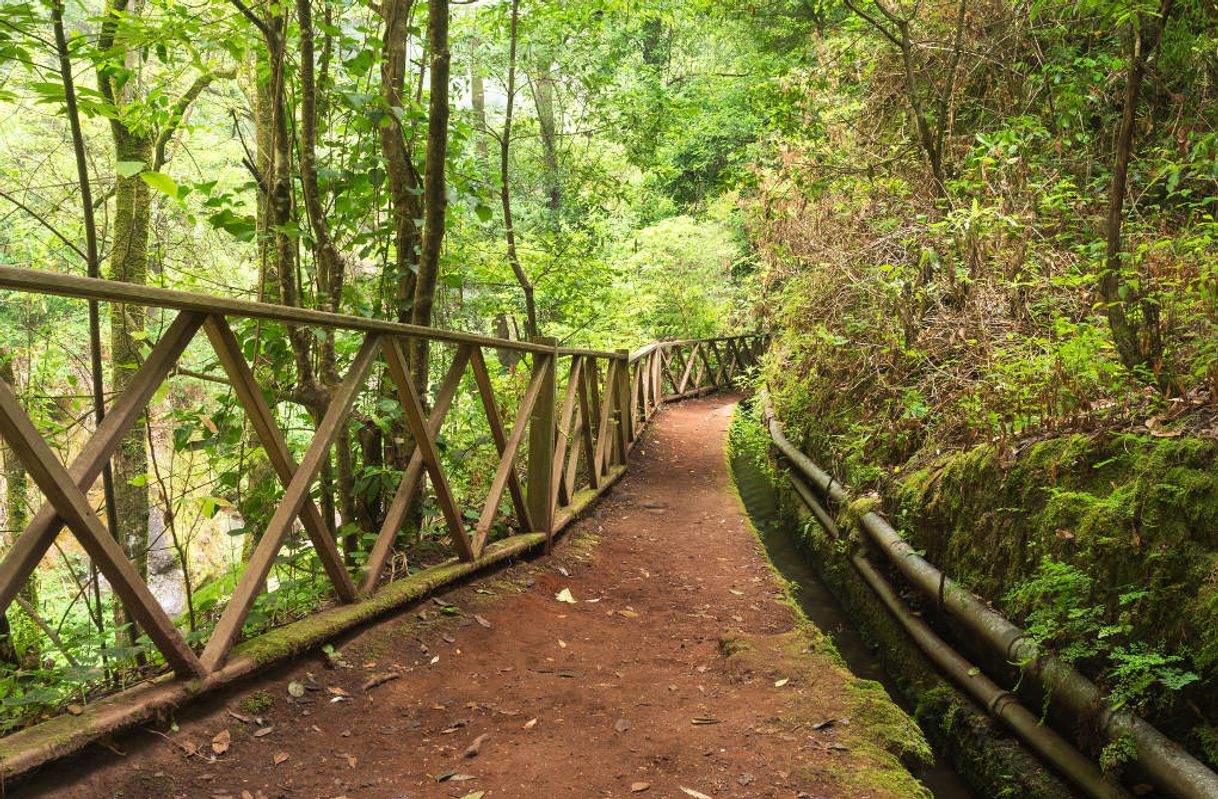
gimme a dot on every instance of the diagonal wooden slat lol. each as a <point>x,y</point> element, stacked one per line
<point>400,504</point>
<point>263,557</point>
<point>717,373</point>
<point>604,435</point>
<point>563,435</point>
<point>704,367</point>
<point>228,351</point>
<point>71,505</point>
<point>689,365</point>
<point>507,461</point>
<point>588,420</point>
<point>569,473</point>
<point>638,390</point>
<point>23,557</point>
<point>677,359</point>
<point>733,363</point>
<point>412,408</point>
<point>486,391</point>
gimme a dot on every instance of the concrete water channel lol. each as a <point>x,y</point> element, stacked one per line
<point>790,558</point>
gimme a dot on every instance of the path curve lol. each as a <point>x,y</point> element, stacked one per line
<point>680,670</point>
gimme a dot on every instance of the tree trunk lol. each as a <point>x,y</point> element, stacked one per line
<point>477,100</point>
<point>505,191</point>
<point>19,641</point>
<point>1128,332</point>
<point>543,99</point>
<point>128,331</point>
<point>402,176</point>
<point>435,201</point>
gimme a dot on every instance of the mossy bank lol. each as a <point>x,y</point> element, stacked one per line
<point>1107,536</point>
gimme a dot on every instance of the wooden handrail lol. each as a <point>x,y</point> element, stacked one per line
<point>36,281</point>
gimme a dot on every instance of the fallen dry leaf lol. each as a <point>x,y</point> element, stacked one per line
<point>530,724</point>
<point>565,596</point>
<point>453,776</point>
<point>220,743</point>
<point>281,758</point>
<point>621,725</point>
<point>264,731</point>
<point>481,621</point>
<point>639,787</point>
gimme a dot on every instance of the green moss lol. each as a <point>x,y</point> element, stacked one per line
<point>1131,511</point>
<point>731,646</point>
<point>256,703</point>
<point>886,725</point>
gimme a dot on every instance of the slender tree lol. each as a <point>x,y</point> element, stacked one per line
<point>505,187</point>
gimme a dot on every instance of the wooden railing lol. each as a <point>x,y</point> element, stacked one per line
<point>579,434</point>
<point>664,371</point>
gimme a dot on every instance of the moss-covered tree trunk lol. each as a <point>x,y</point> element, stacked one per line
<point>19,638</point>
<point>128,331</point>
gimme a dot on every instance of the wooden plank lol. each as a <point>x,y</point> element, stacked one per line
<point>263,557</point>
<point>71,505</point>
<point>27,551</point>
<point>412,409</point>
<point>36,281</point>
<point>507,461</point>
<point>541,465</point>
<point>563,433</point>
<point>400,504</point>
<point>486,391</point>
<point>249,395</point>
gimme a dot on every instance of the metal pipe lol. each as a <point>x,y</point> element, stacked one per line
<point>1000,703</point>
<point>1164,761</point>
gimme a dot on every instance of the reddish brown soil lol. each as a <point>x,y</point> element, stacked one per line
<point>630,685</point>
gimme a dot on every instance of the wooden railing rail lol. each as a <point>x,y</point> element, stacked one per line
<point>579,414</point>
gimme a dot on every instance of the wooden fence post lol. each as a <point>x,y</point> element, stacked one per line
<point>541,443</point>
<point>625,408</point>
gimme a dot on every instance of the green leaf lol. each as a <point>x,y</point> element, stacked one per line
<point>484,212</point>
<point>161,182</point>
<point>126,169</point>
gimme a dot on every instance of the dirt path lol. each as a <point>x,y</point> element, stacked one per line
<point>680,665</point>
